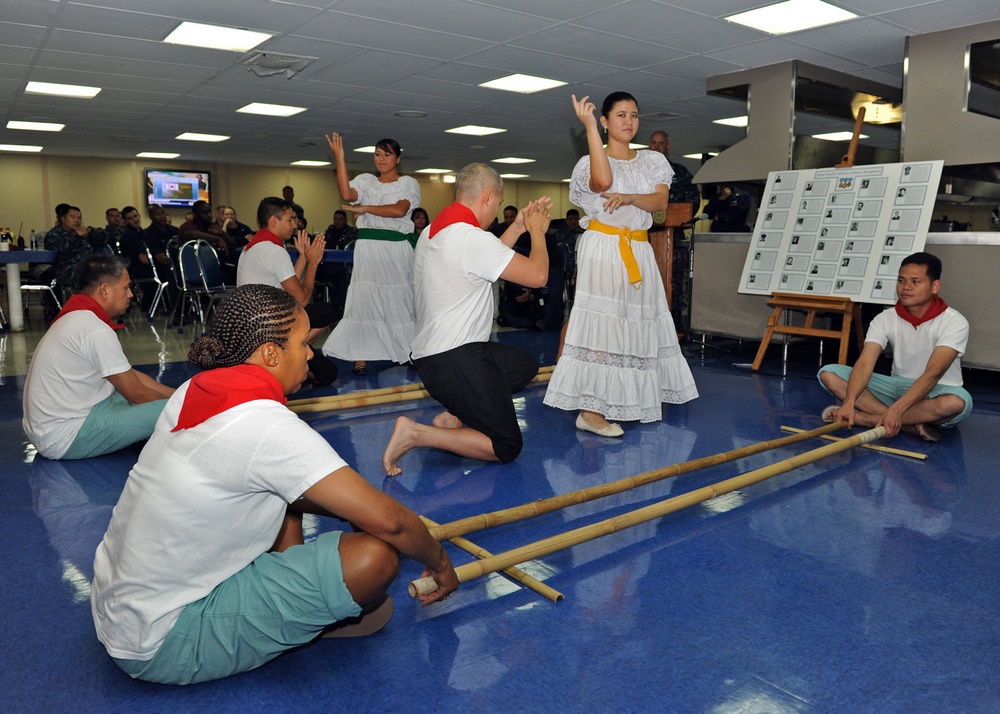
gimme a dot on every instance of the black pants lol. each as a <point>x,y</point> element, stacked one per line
<point>474,382</point>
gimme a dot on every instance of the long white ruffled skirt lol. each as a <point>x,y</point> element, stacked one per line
<point>621,358</point>
<point>378,318</point>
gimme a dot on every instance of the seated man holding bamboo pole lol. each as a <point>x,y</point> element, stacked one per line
<point>457,261</point>
<point>928,339</point>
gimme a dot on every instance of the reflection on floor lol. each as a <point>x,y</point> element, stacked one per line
<point>860,583</point>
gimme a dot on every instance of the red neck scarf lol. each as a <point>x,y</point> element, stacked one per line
<point>79,301</point>
<point>455,213</point>
<point>213,392</point>
<point>264,235</point>
<point>936,307</point>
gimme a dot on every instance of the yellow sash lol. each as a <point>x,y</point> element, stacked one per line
<point>625,237</point>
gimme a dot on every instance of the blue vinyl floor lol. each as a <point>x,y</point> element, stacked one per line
<point>863,582</point>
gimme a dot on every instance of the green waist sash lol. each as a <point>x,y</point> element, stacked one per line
<point>386,234</point>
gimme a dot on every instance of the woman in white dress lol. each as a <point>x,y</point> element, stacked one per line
<point>621,358</point>
<point>378,318</point>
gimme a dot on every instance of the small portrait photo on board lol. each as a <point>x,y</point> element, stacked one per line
<point>916,173</point>
<point>873,187</point>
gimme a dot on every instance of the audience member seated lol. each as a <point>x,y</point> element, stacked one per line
<point>72,242</point>
<point>539,308</point>
<point>339,236</point>
<point>241,233</point>
<point>115,227</point>
<point>82,398</point>
<point>420,221</point>
<point>266,262</point>
<point>288,193</point>
<point>203,227</point>
<point>567,233</point>
<point>509,214</point>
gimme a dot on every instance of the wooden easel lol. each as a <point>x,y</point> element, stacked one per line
<point>812,306</point>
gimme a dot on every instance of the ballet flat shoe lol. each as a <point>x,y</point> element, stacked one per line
<point>612,430</point>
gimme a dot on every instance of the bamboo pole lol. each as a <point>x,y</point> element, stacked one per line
<point>873,447</point>
<point>555,503</point>
<point>352,400</point>
<point>516,573</point>
<point>334,398</point>
<point>657,510</point>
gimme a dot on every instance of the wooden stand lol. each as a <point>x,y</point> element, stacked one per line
<point>661,240</point>
<point>811,306</point>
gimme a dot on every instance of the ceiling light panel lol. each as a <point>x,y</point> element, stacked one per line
<point>792,16</point>
<point>35,125</point>
<point>522,83</point>
<point>194,136</point>
<point>474,130</point>
<point>62,90</point>
<point>271,110</point>
<point>215,37</point>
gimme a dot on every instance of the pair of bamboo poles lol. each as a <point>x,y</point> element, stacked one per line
<point>489,563</point>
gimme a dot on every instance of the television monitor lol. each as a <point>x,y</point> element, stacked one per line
<point>168,187</point>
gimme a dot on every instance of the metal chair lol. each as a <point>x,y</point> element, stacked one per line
<point>187,301</point>
<point>201,274</point>
<point>161,285</point>
<point>31,284</point>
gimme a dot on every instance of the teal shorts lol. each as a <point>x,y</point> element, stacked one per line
<point>114,424</point>
<point>278,602</point>
<point>889,389</point>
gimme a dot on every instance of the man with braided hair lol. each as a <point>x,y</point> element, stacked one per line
<point>82,398</point>
<point>196,578</point>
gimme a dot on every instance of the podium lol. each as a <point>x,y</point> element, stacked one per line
<point>661,240</point>
<point>812,306</point>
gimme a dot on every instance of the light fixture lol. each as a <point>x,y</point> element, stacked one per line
<point>270,110</point>
<point>449,178</point>
<point>410,114</point>
<point>633,145</point>
<point>194,136</point>
<point>306,162</point>
<point>838,136</point>
<point>473,130</point>
<point>215,37</point>
<point>698,156</point>
<point>433,171</point>
<point>156,155</point>
<point>733,121</point>
<point>23,148</point>
<point>514,176</point>
<point>62,90</point>
<point>792,16</point>
<point>522,83</point>
<point>35,125</point>
<point>365,149</point>
<point>513,160</point>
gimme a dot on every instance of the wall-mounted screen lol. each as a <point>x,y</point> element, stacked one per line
<point>177,188</point>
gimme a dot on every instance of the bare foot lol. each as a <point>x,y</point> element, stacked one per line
<point>447,420</point>
<point>401,441</point>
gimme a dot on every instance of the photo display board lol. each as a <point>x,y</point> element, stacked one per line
<point>840,232</point>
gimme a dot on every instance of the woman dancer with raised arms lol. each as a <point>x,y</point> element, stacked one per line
<point>621,358</point>
<point>378,318</point>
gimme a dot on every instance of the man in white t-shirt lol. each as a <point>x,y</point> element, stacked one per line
<point>928,339</point>
<point>82,398</point>
<point>457,261</point>
<point>265,261</point>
